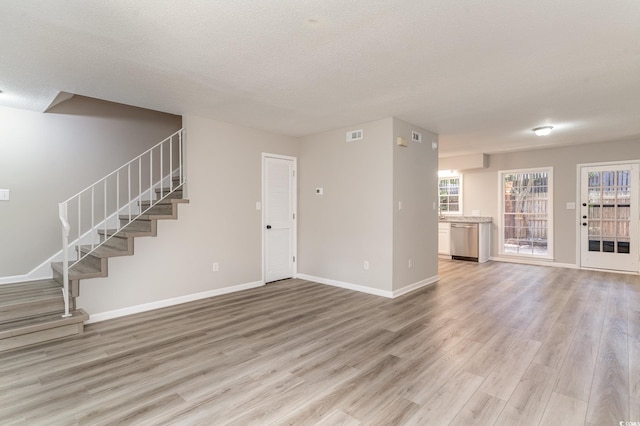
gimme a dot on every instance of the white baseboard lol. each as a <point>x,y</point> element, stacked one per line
<point>348,286</point>
<point>370,290</point>
<point>102,316</point>
<point>527,261</point>
<point>411,287</point>
<point>40,272</point>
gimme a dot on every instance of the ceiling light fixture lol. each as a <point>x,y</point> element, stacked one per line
<point>542,130</point>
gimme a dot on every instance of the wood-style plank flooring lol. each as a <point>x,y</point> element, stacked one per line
<point>492,343</point>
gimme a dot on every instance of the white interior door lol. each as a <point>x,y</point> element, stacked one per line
<point>279,201</point>
<point>609,217</point>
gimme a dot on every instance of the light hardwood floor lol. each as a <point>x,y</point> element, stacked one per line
<point>491,343</point>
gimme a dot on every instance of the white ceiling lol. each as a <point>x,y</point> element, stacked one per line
<point>479,73</point>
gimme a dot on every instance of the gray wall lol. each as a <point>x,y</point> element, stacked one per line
<point>481,186</point>
<point>353,220</point>
<point>46,158</point>
<point>221,224</point>
<point>415,230</point>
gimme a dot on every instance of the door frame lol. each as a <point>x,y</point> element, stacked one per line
<point>294,201</point>
<point>578,219</point>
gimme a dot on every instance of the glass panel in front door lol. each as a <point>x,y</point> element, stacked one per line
<point>609,209</point>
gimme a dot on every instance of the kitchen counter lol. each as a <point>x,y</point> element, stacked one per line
<point>466,219</point>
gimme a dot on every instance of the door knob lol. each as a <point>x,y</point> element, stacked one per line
<point>268,226</point>
<point>584,217</point>
<point>584,223</point>
<point>584,204</point>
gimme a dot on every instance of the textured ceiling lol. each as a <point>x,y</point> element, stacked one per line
<point>479,73</point>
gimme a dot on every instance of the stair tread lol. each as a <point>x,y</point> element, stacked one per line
<point>175,188</point>
<point>20,301</point>
<point>27,298</point>
<point>42,322</point>
<point>28,292</point>
<point>124,232</point>
<point>79,270</point>
<point>148,216</point>
<point>166,201</point>
<point>104,251</point>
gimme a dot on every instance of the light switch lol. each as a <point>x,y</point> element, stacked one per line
<point>4,195</point>
<point>319,191</point>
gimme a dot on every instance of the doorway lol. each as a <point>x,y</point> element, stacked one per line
<point>609,233</point>
<point>279,203</point>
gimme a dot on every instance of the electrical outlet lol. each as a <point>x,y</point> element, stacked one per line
<point>399,205</point>
<point>410,263</point>
<point>366,265</point>
<point>216,266</point>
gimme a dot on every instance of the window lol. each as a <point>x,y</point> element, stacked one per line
<point>526,216</point>
<point>450,192</point>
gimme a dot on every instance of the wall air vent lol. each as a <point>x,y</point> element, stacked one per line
<point>355,135</point>
<point>416,137</point>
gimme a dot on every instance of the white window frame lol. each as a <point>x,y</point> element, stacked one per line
<point>446,174</point>
<point>550,213</point>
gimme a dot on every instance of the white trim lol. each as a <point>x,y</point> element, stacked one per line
<point>550,212</point>
<point>613,271</point>
<point>578,218</point>
<point>103,316</point>
<point>44,272</point>
<point>532,261</point>
<point>294,201</point>
<point>579,167</point>
<point>415,286</point>
<point>348,286</point>
<point>452,174</point>
<point>609,163</point>
<point>40,272</point>
<point>560,265</point>
<point>369,290</point>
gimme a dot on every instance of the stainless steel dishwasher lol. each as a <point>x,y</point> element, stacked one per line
<point>464,241</point>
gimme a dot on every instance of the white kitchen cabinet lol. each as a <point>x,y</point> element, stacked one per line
<point>444,238</point>
<point>484,242</point>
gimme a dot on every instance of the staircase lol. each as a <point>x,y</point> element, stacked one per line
<point>121,241</point>
<point>34,312</point>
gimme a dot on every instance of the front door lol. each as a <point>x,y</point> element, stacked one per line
<point>609,217</point>
<point>279,216</point>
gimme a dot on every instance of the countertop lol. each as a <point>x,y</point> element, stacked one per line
<point>466,219</point>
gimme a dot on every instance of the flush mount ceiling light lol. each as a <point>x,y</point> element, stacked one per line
<point>542,130</point>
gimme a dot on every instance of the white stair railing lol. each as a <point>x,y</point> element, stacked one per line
<point>118,199</point>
